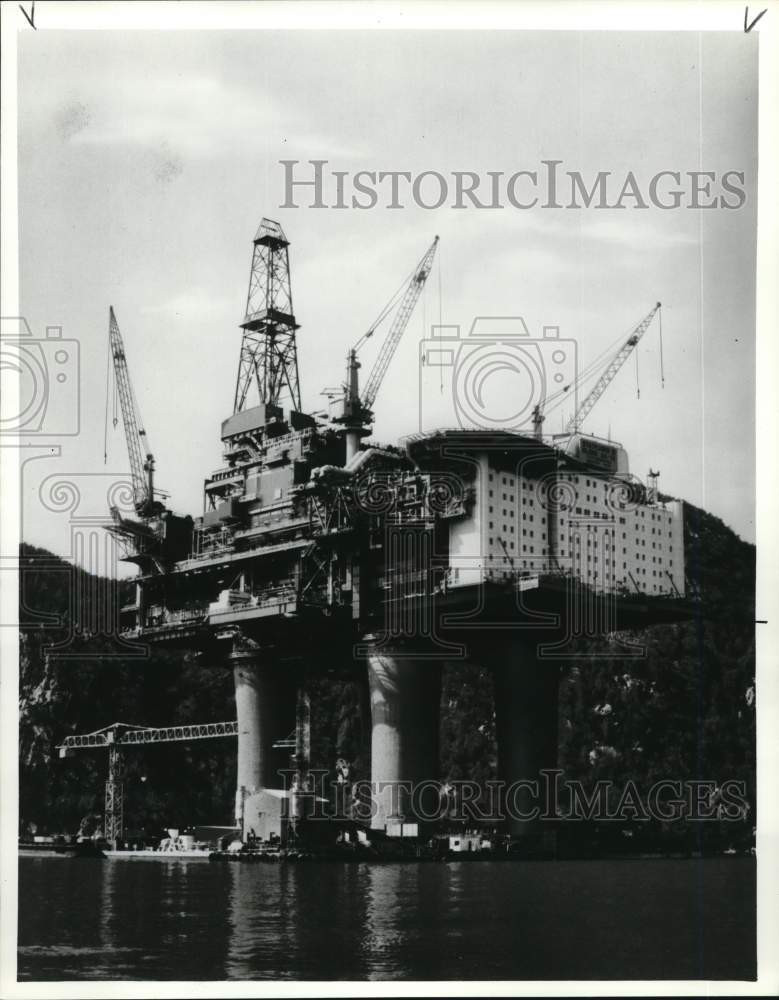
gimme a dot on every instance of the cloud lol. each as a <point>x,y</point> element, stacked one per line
<point>557,232</point>
<point>194,304</point>
<point>642,234</point>
<point>200,117</point>
<point>72,118</point>
<point>168,164</point>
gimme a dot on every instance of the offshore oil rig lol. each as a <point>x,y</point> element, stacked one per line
<point>317,551</point>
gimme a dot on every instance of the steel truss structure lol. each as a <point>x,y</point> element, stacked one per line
<point>269,350</point>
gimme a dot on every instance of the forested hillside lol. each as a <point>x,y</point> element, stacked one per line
<point>684,710</point>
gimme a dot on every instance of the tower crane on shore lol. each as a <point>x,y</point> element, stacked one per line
<point>357,411</point>
<point>115,738</point>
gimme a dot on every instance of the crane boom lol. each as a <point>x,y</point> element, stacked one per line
<point>399,324</point>
<point>122,734</point>
<point>605,379</point>
<point>141,458</point>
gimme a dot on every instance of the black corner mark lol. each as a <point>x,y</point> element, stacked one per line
<point>749,27</point>
<point>31,16</point>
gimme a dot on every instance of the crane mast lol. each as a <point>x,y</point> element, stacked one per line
<point>138,449</point>
<point>608,375</point>
<point>357,409</point>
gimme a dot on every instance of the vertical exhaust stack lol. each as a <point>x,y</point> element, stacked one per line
<point>355,419</point>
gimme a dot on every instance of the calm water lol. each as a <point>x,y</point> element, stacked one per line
<point>83,919</point>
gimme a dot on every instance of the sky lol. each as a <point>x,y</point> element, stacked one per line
<point>147,159</point>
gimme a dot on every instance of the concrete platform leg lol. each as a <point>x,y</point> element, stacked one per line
<point>299,804</point>
<point>526,696</point>
<point>405,698</point>
<point>265,713</point>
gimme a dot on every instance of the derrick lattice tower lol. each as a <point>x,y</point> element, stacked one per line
<point>268,348</point>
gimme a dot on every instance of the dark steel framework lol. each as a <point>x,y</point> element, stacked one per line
<point>120,735</point>
<point>268,349</point>
<point>114,797</point>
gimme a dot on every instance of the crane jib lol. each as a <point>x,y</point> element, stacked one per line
<point>613,367</point>
<point>399,324</point>
<point>139,453</point>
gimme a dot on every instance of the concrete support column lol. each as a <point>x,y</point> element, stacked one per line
<point>526,694</point>
<point>264,711</point>
<point>302,748</point>
<point>405,696</point>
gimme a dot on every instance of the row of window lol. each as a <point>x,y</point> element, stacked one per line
<point>589,527</point>
<point>586,512</point>
<point>526,484</point>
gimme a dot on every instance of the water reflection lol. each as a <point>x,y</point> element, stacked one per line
<point>354,921</point>
<point>297,921</point>
<point>404,918</point>
<point>184,924</point>
<point>157,920</point>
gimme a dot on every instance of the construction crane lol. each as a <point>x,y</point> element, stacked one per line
<point>115,738</point>
<point>138,447</point>
<point>357,412</point>
<point>606,378</point>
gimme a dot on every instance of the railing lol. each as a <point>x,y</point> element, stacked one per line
<point>207,543</point>
<point>286,440</point>
<point>226,474</point>
<point>184,615</point>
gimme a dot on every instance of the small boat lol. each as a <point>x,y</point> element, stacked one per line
<point>58,847</point>
<point>174,847</point>
<point>155,854</point>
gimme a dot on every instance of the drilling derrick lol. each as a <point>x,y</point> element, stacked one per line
<point>268,348</point>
